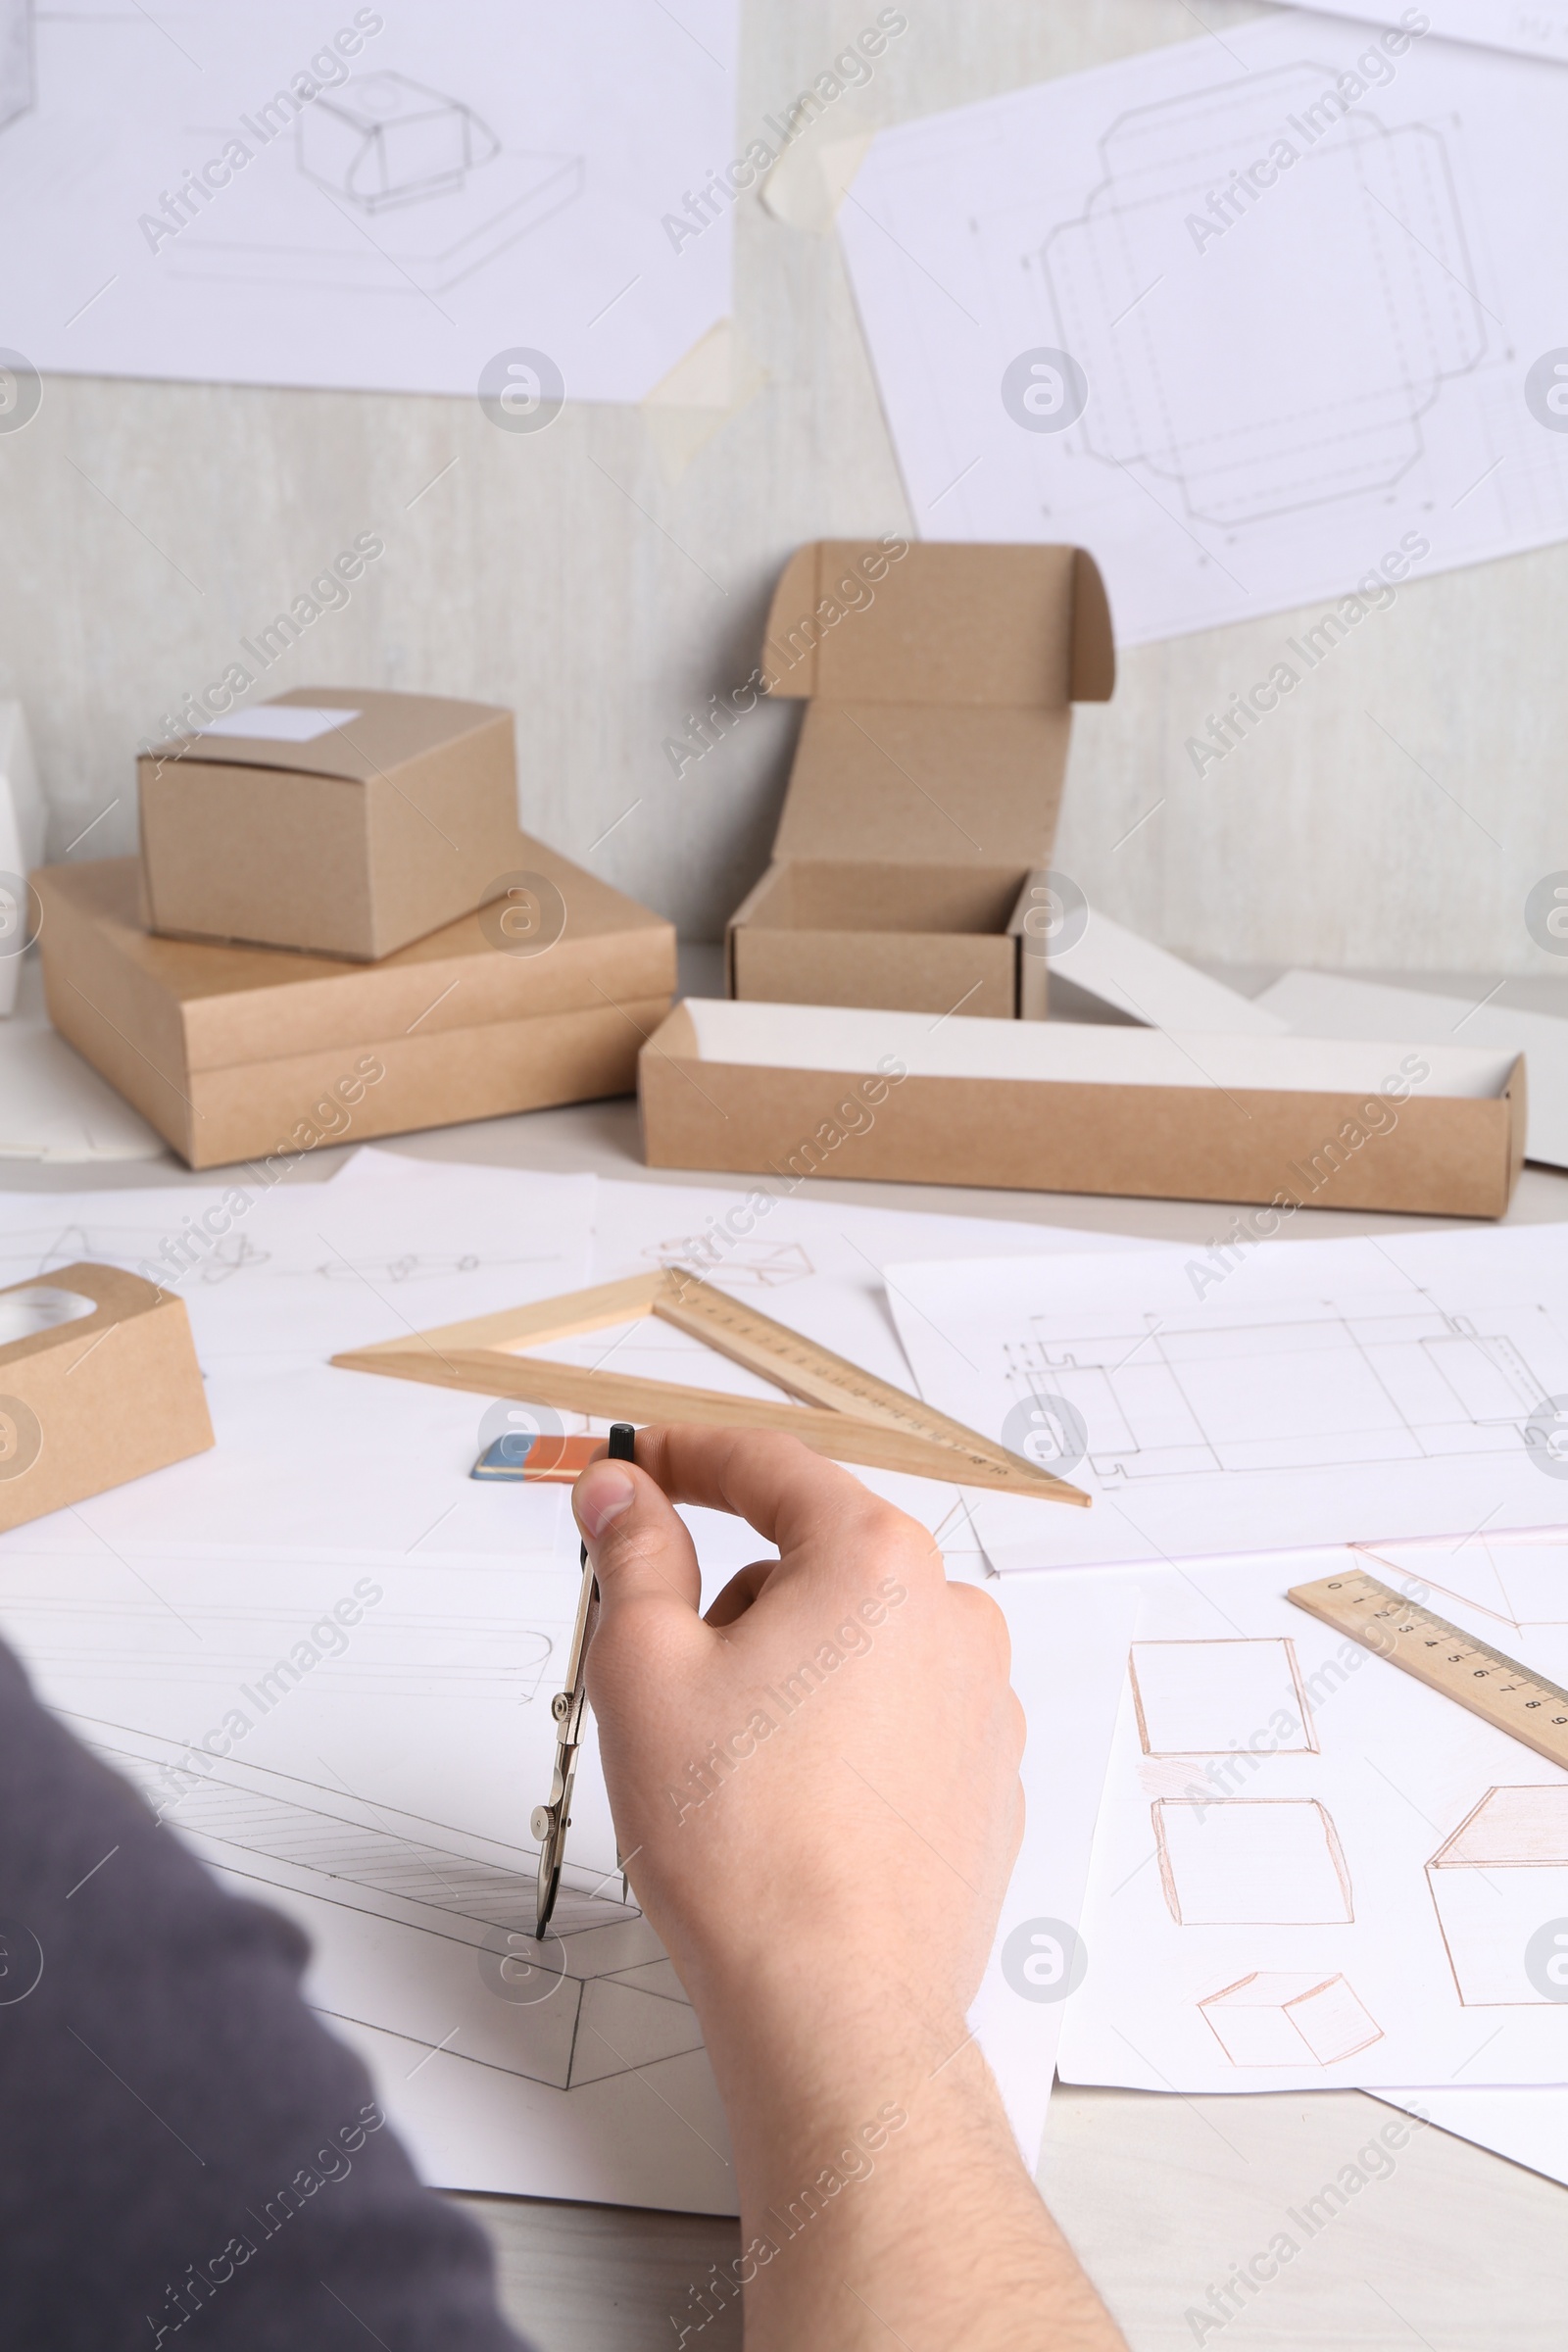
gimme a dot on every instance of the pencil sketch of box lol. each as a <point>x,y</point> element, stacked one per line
<point>1252,1863</point>
<point>1196,1698</point>
<point>1277,2017</point>
<point>383,140</point>
<point>16,60</point>
<point>1502,1876</point>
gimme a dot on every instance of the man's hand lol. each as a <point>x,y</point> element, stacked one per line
<point>816,1787</point>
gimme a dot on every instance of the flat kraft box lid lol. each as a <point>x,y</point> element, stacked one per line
<point>941,681</point>
<point>216,1006</point>
<point>1063,1106</point>
<point>380,732</point>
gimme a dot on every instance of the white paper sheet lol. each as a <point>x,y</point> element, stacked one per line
<point>474,202</point>
<point>1245,1397</point>
<point>1329,1004</point>
<point>1237,402</point>
<point>1147,984</point>
<point>379,1791</point>
<point>1530,28</point>
<point>1528,2127</point>
<point>280,723</point>
<point>54,1106</point>
<point>1279,1898</point>
<point>276,1283</point>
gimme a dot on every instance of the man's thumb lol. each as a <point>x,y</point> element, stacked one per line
<point>640,1548</point>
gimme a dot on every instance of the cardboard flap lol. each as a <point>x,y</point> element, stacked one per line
<point>386,731</point>
<point>1094,642</point>
<point>946,623</point>
<point>925,784</point>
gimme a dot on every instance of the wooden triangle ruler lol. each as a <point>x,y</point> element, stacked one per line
<point>843,1412</point>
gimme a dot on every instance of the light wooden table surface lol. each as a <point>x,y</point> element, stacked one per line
<point>1162,2196</point>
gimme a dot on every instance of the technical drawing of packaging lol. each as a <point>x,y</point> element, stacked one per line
<point>1294,431</point>
<point>383,140</point>
<point>1498,1879</point>
<point>436,1921</point>
<point>16,60</point>
<point>1265,2018</point>
<point>1252,1863</point>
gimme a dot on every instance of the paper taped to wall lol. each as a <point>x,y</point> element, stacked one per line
<point>1530,28</point>
<point>514,201</point>
<point>1250,320</point>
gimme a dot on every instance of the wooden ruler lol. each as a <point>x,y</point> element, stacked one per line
<point>844,1412</point>
<point>1497,1687</point>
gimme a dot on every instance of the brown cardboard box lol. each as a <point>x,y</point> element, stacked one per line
<point>91,1397</point>
<point>1060,1108</point>
<point>923,796</point>
<point>350,840</point>
<point>233,1052</point>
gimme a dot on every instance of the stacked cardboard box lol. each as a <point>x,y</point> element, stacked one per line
<point>337,928</point>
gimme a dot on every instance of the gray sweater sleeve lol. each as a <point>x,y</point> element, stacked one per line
<point>187,2158</point>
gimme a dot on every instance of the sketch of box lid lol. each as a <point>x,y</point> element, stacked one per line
<point>1257,1862</point>
<point>425,1922</point>
<point>1181,182</point>
<point>1499,1886</point>
<point>1220,1696</point>
<point>447,195</point>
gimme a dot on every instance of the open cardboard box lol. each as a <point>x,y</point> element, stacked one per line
<point>236,1052</point>
<point>922,801</point>
<point>1058,1106</point>
<point>340,820</point>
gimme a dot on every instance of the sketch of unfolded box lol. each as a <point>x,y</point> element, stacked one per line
<point>1252,1863</point>
<point>1274,2017</point>
<point>16,60</point>
<point>1500,1878</point>
<point>380,140</point>
<point>421,1930</point>
<point>1294,433</point>
<point>1196,1698</point>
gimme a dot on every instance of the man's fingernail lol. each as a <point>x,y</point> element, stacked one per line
<point>602,1495</point>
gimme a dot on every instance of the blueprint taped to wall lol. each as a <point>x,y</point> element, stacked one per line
<point>1250,318</point>
<point>473,199</point>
